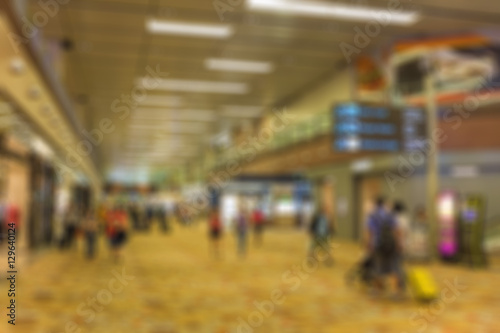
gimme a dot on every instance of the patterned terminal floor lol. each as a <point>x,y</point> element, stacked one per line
<point>171,283</point>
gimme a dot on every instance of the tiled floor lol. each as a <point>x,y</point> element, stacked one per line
<point>172,284</point>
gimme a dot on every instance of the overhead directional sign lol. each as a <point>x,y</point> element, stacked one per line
<point>360,127</point>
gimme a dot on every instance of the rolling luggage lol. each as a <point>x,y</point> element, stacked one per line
<point>422,284</point>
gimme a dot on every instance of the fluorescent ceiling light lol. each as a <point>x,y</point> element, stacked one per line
<point>152,100</point>
<point>335,10</point>
<point>242,111</point>
<point>166,130</point>
<point>42,148</point>
<point>147,136</point>
<point>162,150</point>
<point>162,157</point>
<point>233,65</point>
<point>165,125</point>
<point>188,29</point>
<point>171,125</point>
<point>218,87</point>
<point>169,114</point>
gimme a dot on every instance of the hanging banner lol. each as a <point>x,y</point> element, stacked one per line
<point>461,66</point>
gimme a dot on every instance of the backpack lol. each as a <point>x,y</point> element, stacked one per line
<point>386,245</point>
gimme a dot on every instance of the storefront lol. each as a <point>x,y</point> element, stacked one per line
<point>42,190</point>
<point>284,200</point>
<point>14,184</point>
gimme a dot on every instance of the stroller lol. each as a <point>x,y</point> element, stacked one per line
<point>363,273</point>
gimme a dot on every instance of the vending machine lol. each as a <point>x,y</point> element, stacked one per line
<point>448,225</point>
<point>472,231</point>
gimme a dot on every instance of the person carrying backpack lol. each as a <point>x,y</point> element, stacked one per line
<point>384,246</point>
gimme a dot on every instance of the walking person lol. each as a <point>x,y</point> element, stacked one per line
<point>384,245</point>
<point>258,223</point>
<point>149,215</point>
<point>161,214</point>
<point>241,231</point>
<point>70,227</point>
<point>215,230</point>
<point>420,245</point>
<point>117,233</point>
<point>322,228</point>
<point>404,226</point>
<point>134,215</point>
<point>91,228</point>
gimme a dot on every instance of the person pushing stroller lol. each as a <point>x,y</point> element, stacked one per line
<point>384,245</point>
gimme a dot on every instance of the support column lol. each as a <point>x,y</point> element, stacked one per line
<point>432,182</point>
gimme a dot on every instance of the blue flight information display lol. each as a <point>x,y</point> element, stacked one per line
<point>359,127</point>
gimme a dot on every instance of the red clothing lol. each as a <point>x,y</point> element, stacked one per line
<point>258,217</point>
<point>215,223</point>
<point>13,215</point>
<point>115,220</point>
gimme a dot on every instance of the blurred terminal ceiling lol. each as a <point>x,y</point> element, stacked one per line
<point>107,49</point>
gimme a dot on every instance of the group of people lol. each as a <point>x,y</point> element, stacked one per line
<point>244,220</point>
<point>142,217</point>
<point>390,239</point>
<point>113,222</point>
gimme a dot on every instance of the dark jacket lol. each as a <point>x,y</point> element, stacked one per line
<point>315,222</point>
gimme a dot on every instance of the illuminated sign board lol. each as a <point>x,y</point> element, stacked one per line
<point>359,127</point>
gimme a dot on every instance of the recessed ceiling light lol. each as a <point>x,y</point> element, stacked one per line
<point>233,65</point>
<point>45,109</point>
<point>41,147</point>
<point>217,87</point>
<point>188,29</point>
<point>34,92</point>
<point>335,10</point>
<point>17,66</point>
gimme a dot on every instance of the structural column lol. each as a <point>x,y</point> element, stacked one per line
<point>432,182</point>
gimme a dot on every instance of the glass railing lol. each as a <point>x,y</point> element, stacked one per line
<point>302,131</point>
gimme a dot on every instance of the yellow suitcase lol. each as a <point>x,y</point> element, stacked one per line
<point>422,284</point>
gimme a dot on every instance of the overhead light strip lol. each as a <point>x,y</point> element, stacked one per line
<point>179,28</point>
<point>394,16</point>
<point>196,86</point>
<point>173,114</point>
<point>233,65</point>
